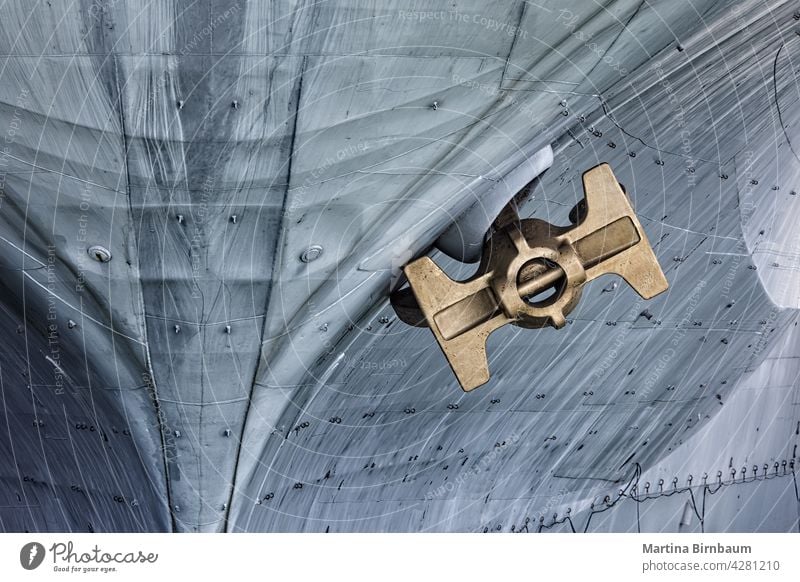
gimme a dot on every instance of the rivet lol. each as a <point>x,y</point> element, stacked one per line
<point>435,106</point>
<point>99,253</point>
<point>178,434</point>
<point>227,432</point>
<point>179,103</point>
<point>610,287</point>
<point>659,162</point>
<point>563,103</point>
<point>71,324</point>
<point>177,508</point>
<point>224,506</point>
<point>177,328</point>
<point>234,218</point>
<point>235,104</point>
<point>312,253</point>
<point>180,218</point>
<point>228,329</point>
<point>565,113</point>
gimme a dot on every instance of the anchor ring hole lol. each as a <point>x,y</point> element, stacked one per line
<point>541,282</point>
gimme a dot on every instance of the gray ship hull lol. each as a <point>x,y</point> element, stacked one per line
<point>206,378</point>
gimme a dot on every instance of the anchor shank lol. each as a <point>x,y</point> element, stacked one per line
<point>540,282</point>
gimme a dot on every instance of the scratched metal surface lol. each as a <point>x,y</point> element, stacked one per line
<point>207,379</point>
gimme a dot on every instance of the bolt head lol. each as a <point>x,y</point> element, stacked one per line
<point>312,253</point>
<point>99,253</point>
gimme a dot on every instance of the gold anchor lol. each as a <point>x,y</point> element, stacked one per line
<point>531,275</point>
